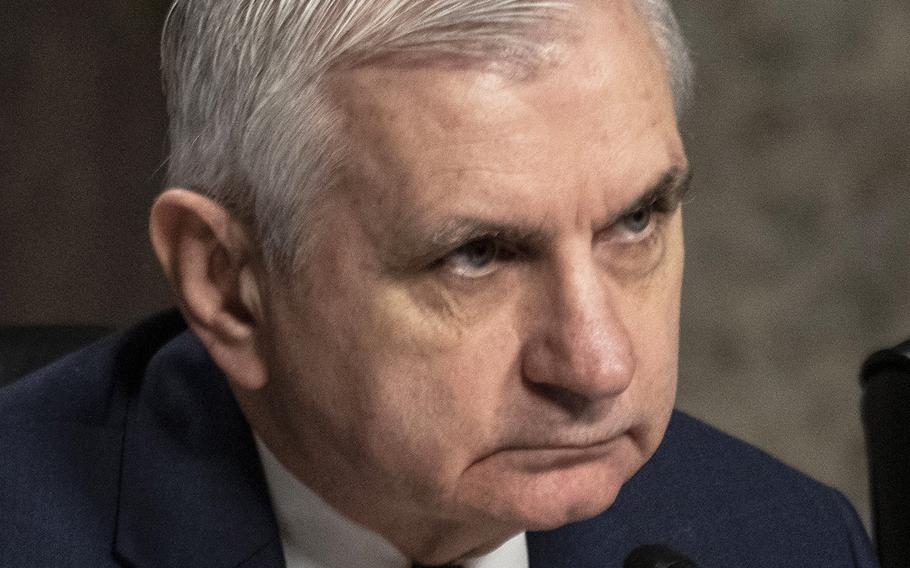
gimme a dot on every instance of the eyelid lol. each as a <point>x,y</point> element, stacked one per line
<point>468,273</point>
<point>659,214</point>
<point>666,197</point>
<point>666,203</point>
<point>506,251</point>
<point>661,204</point>
<point>461,245</point>
<point>448,260</point>
<point>504,245</point>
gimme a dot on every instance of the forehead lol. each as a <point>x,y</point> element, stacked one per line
<point>593,116</point>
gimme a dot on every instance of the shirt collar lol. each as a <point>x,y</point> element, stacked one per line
<point>315,535</point>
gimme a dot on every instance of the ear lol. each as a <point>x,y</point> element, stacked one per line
<point>212,266</point>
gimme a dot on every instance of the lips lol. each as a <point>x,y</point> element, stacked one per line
<point>546,458</point>
<point>557,454</point>
<point>560,446</point>
<point>590,441</point>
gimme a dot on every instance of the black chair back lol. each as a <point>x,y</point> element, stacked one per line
<point>24,348</point>
<point>885,379</point>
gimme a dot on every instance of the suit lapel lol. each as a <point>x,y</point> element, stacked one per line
<point>192,491</point>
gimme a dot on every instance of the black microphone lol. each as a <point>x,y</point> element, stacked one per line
<point>656,556</point>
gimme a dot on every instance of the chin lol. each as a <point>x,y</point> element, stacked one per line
<point>566,511</point>
<point>542,492</point>
<point>562,497</point>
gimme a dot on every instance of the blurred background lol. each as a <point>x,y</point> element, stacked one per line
<point>798,226</point>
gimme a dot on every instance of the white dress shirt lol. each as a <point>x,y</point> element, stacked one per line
<point>314,535</point>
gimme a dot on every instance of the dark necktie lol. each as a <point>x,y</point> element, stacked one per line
<point>416,565</point>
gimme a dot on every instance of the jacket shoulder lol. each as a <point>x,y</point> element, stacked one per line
<point>89,386</point>
<point>61,434</point>
<point>724,503</point>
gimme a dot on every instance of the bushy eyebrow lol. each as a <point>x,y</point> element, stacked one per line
<point>414,250</point>
<point>463,230</point>
<point>669,191</point>
<point>459,231</point>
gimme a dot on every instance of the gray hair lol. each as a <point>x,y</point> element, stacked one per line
<point>250,125</point>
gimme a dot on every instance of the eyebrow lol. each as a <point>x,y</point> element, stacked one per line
<point>671,189</point>
<point>415,250</point>
<point>459,231</point>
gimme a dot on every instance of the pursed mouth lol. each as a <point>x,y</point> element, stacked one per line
<point>538,457</point>
<point>559,445</point>
<point>577,443</point>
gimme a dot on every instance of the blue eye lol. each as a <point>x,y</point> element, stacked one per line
<point>638,221</point>
<point>479,253</point>
<point>476,258</point>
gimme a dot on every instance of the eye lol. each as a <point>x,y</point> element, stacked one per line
<point>638,221</point>
<point>637,225</point>
<point>476,258</point>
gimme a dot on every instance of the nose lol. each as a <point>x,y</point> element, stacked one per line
<point>580,352</point>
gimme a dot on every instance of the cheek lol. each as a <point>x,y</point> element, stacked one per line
<point>438,358</point>
<point>652,303</point>
<point>424,387</point>
<point>654,317</point>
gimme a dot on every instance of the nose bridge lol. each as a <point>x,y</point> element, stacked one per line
<point>592,335</point>
<point>585,347</point>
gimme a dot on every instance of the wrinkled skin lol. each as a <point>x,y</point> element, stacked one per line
<point>484,338</point>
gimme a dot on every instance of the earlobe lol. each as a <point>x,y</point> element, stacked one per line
<point>210,263</point>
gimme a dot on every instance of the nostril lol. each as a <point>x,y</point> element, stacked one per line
<point>578,373</point>
<point>574,403</point>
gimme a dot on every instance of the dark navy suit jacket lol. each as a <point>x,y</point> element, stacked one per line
<point>133,453</point>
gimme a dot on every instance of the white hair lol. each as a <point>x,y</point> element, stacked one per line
<point>670,40</point>
<point>250,125</point>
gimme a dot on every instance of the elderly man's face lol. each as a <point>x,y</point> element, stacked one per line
<point>486,329</point>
